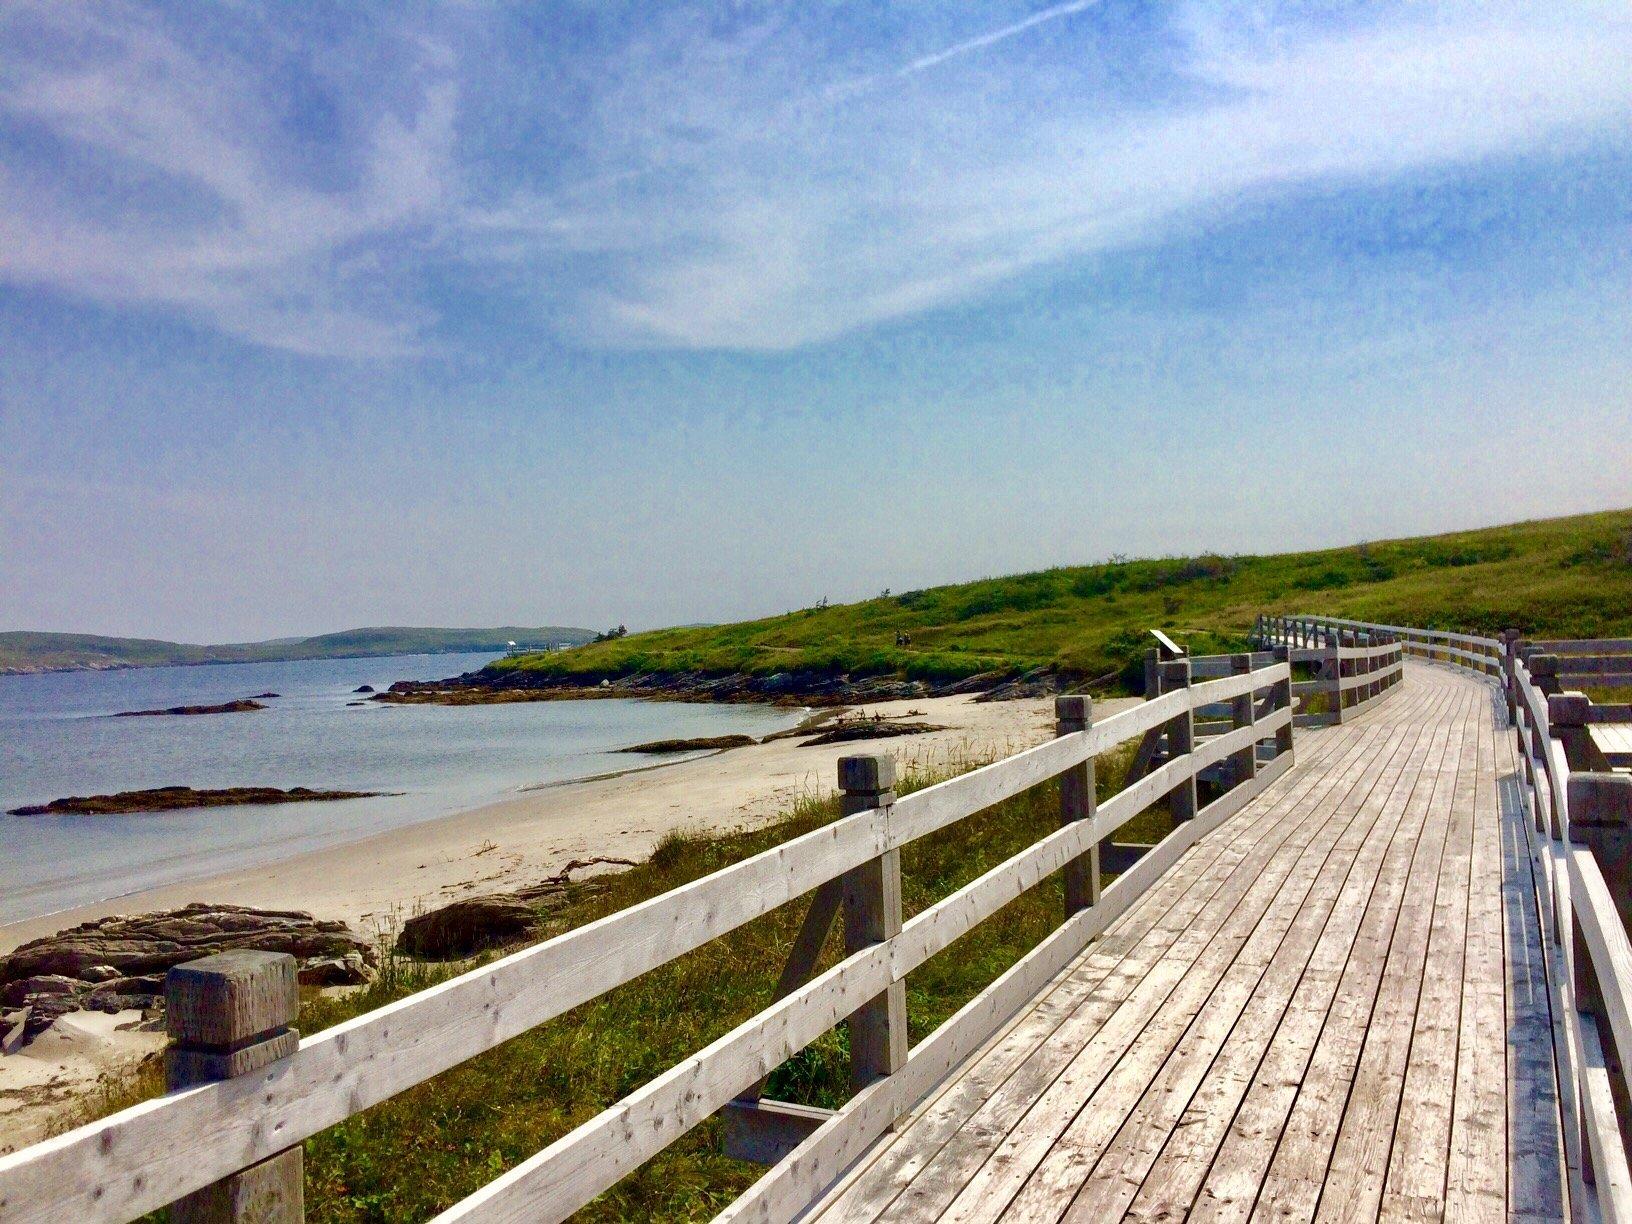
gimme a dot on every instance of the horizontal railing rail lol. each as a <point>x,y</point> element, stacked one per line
<point>1577,816</point>
<point>182,1143</point>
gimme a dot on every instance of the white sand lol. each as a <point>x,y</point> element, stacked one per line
<point>61,1066</point>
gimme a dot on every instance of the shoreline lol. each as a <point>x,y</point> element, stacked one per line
<point>375,882</point>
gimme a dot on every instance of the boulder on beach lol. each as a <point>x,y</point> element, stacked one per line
<point>467,927</point>
<point>119,962</point>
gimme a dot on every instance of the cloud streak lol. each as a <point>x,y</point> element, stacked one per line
<point>710,182</point>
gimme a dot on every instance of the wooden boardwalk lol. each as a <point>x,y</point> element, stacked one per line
<point>1333,1006</point>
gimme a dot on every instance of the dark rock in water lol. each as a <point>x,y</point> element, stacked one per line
<point>363,688</point>
<point>226,707</point>
<point>467,927</point>
<point>69,971</point>
<point>264,696</point>
<point>176,798</point>
<point>698,744</point>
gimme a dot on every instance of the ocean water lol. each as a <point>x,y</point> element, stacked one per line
<point>58,737</point>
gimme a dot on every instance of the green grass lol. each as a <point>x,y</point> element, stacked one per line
<point>1567,577</point>
<point>417,1153</point>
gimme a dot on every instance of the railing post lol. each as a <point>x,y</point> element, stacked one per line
<point>1153,675</point>
<point>1243,764</point>
<point>230,1015</point>
<point>1600,806</point>
<point>1072,714</point>
<point>1567,717</point>
<point>1331,669</point>
<point>1510,686</point>
<point>1181,740</point>
<point>1544,673</point>
<point>1283,701</point>
<point>872,914</point>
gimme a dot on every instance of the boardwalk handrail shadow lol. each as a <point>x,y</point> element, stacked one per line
<point>203,1136</point>
<point>1578,822</point>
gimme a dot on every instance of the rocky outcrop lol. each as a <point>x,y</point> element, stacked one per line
<point>1039,682</point>
<point>176,798</point>
<point>117,963</point>
<point>226,707</point>
<point>467,927</point>
<point>797,688</point>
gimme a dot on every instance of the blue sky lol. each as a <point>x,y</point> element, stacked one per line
<point>320,315</point>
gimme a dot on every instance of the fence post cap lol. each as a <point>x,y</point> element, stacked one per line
<point>1176,669</point>
<point>1568,709</point>
<point>1075,708</point>
<point>1543,665</point>
<point>871,774</point>
<point>231,998</point>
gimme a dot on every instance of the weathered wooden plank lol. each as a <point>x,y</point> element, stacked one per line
<point>1165,912</point>
<point>1175,983</point>
<point>1279,1144</point>
<point>784,1191</point>
<point>1410,1163</point>
<point>1358,1160</point>
<point>1192,1087</point>
<point>1172,1185</point>
<point>1149,976</point>
<point>1480,1155</point>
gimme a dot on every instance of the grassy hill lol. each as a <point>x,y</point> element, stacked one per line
<point>1566,577</point>
<point>30,652</point>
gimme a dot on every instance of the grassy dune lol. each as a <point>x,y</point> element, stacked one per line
<point>1567,577</point>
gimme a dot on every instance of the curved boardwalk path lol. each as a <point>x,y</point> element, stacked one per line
<point>1332,1007</point>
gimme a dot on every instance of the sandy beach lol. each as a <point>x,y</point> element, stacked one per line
<point>374,883</point>
<point>521,839</point>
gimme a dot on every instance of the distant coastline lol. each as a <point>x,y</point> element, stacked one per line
<point>31,653</point>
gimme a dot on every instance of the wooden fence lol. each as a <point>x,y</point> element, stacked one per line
<point>1578,821</point>
<point>228,1147</point>
<point>1353,665</point>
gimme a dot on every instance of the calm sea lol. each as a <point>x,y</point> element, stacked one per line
<point>58,737</point>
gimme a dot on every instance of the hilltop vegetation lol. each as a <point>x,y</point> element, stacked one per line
<point>1567,577</point>
<point>34,652</point>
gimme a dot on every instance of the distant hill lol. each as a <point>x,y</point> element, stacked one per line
<point>1564,577</point>
<point>36,652</point>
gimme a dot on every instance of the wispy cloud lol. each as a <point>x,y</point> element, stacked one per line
<point>709,180</point>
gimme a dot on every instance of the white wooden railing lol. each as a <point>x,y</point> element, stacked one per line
<point>1354,665</point>
<point>1578,821</point>
<point>191,1142</point>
